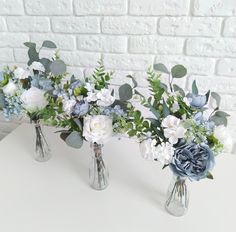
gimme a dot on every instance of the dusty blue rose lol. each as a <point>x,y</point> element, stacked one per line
<point>81,108</point>
<point>197,101</point>
<point>193,161</point>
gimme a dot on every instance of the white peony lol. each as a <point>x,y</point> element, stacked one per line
<point>68,106</point>
<point>164,153</point>
<point>21,73</point>
<point>224,137</point>
<point>97,129</point>
<point>37,66</point>
<point>33,99</point>
<point>105,98</point>
<point>147,148</point>
<point>92,97</point>
<point>10,89</point>
<point>172,129</point>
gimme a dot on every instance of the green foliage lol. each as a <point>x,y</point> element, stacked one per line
<point>49,44</point>
<point>125,92</point>
<point>220,118</point>
<point>161,68</point>
<point>178,71</point>
<point>58,67</point>
<point>74,139</point>
<point>216,97</point>
<point>194,88</point>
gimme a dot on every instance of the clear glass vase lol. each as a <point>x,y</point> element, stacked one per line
<point>98,171</point>
<point>42,150</point>
<point>177,197</point>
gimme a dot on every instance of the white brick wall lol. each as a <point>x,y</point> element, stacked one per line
<point>131,35</point>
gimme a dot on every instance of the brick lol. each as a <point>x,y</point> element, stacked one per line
<point>21,55</point>
<point>127,61</point>
<point>190,26</point>
<point>164,7</point>
<point>230,27</point>
<point>215,47</point>
<point>228,102</point>
<point>156,44</point>
<point>214,7</point>
<point>218,84</point>
<point>76,24</point>
<point>78,72</point>
<point>128,25</point>
<point>13,40</point>
<point>82,59</point>
<point>100,7</point>
<point>63,42</point>
<point>11,7</point>
<point>102,43</point>
<point>28,24</point>
<point>194,65</point>
<point>45,7</point>
<point>6,55</point>
<point>226,67</point>
<point>3,26</point>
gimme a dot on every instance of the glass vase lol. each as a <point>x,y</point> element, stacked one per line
<point>42,151</point>
<point>177,197</point>
<point>98,171</point>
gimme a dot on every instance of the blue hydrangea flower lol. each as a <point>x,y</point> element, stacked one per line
<point>201,121</point>
<point>41,83</point>
<point>193,161</point>
<point>81,108</point>
<point>110,111</point>
<point>197,101</point>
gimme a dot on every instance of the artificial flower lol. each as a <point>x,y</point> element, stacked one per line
<point>10,89</point>
<point>37,66</point>
<point>21,73</point>
<point>147,147</point>
<point>105,98</point>
<point>164,153</point>
<point>68,105</point>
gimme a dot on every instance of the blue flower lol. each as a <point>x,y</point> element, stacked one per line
<point>201,121</point>
<point>75,84</point>
<point>193,161</point>
<point>41,83</point>
<point>197,101</point>
<point>81,108</point>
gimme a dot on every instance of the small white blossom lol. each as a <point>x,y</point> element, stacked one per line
<point>92,97</point>
<point>10,89</point>
<point>164,153</point>
<point>173,129</point>
<point>147,148</point>
<point>21,73</point>
<point>37,66</point>
<point>175,107</point>
<point>68,105</point>
<point>105,98</point>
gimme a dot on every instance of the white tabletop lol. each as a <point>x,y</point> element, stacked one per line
<point>55,196</point>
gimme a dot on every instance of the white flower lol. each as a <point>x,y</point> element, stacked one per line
<point>186,101</point>
<point>33,99</point>
<point>175,107</point>
<point>37,66</point>
<point>68,105</point>
<point>21,73</point>
<point>105,98</point>
<point>223,135</point>
<point>92,97</point>
<point>10,89</point>
<point>97,129</point>
<point>172,129</point>
<point>89,87</point>
<point>164,153</point>
<point>147,147</point>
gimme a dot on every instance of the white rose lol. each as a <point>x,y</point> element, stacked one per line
<point>105,98</point>
<point>146,148</point>
<point>33,99</point>
<point>97,129</point>
<point>68,106</point>
<point>37,66</point>
<point>92,97</point>
<point>164,153</point>
<point>21,73</point>
<point>224,137</point>
<point>172,129</point>
<point>10,89</point>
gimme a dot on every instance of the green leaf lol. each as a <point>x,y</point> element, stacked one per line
<point>138,93</point>
<point>46,63</point>
<point>49,44</point>
<point>125,92</point>
<point>78,123</point>
<point>58,67</point>
<point>166,110</point>
<point>30,44</point>
<point>179,89</point>
<point>74,139</point>
<point>1,100</point>
<point>155,112</point>
<point>216,97</point>
<point>209,176</point>
<point>33,55</point>
<point>120,103</point>
<point>161,68</point>
<point>133,79</point>
<point>154,122</point>
<point>207,95</point>
<point>194,88</point>
<point>219,120</point>
<point>178,71</point>
<point>221,114</point>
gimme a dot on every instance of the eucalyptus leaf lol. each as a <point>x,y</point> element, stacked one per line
<point>194,88</point>
<point>166,110</point>
<point>122,104</point>
<point>49,44</point>
<point>208,95</point>
<point>125,92</point>
<point>74,139</point>
<point>179,89</point>
<point>58,67</point>
<point>178,71</point>
<point>30,44</point>
<point>78,123</point>
<point>46,63</point>
<point>154,122</point>
<point>133,79</point>
<point>216,97</point>
<point>155,112</point>
<point>33,55</point>
<point>219,120</point>
<point>138,93</point>
<point>161,68</point>
<point>2,104</point>
<point>221,114</point>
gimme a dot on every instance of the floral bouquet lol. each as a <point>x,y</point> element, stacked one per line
<point>88,110</point>
<point>184,132</point>
<point>23,91</point>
